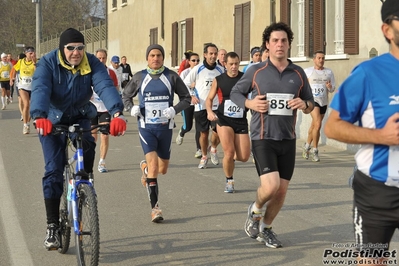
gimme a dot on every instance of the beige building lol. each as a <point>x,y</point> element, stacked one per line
<point>349,31</point>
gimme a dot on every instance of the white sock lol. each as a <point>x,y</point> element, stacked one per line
<point>263,226</point>
<point>213,150</point>
<point>2,100</point>
<point>255,209</point>
<point>102,161</point>
<point>307,145</point>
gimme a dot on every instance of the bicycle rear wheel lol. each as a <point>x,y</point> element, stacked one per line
<point>88,241</point>
<point>65,227</point>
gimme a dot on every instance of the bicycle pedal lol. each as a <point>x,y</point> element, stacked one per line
<point>52,249</point>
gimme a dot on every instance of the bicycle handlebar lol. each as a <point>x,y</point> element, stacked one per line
<point>60,129</point>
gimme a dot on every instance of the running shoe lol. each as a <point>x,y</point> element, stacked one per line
<point>315,155</point>
<point>143,166</point>
<point>53,237</point>
<point>203,162</point>
<point>252,223</point>
<point>22,119</point>
<point>11,100</point>
<point>156,215</point>
<point>305,152</point>
<point>269,238</point>
<point>102,168</point>
<point>179,139</point>
<point>198,154</point>
<point>26,130</point>
<point>229,186</point>
<point>214,156</point>
<point>3,108</point>
<point>8,100</point>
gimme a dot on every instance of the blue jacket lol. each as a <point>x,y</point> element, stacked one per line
<point>62,93</point>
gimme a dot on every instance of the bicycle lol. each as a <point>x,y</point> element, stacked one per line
<point>78,208</point>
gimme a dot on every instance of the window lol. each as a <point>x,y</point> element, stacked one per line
<point>114,4</point>
<point>331,26</point>
<point>124,3</point>
<point>182,39</point>
<point>272,11</point>
<point>242,26</point>
<point>154,36</point>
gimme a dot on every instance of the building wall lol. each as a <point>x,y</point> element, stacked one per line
<point>129,28</point>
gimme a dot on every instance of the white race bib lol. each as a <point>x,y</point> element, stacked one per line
<point>318,90</point>
<point>232,110</point>
<point>278,103</point>
<point>25,80</point>
<point>5,74</point>
<point>153,112</point>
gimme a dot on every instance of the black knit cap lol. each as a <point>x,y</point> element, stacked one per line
<point>389,8</point>
<point>69,36</point>
<point>152,47</point>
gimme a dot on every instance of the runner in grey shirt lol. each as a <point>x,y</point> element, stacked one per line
<point>279,88</point>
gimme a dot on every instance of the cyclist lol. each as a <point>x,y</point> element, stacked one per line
<point>61,91</point>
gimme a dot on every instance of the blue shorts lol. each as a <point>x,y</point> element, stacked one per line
<point>156,140</point>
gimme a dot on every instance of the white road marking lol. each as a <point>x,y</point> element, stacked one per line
<point>18,251</point>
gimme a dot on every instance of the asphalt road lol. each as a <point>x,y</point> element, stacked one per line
<point>203,225</point>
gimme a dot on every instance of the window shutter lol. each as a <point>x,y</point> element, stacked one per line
<point>154,36</point>
<point>318,25</point>
<point>308,31</point>
<point>189,34</point>
<point>351,27</point>
<point>238,29</point>
<point>246,29</point>
<point>285,11</point>
<point>175,61</point>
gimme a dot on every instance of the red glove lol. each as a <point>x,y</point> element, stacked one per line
<point>43,126</point>
<point>118,126</point>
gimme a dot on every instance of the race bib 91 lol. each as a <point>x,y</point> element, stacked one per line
<point>153,112</point>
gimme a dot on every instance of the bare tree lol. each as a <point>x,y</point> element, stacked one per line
<point>19,19</point>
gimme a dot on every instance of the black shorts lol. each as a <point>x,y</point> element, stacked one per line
<point>323,109</point>
<point>101,118</point>
<point>5,85</point>
<point>29,92</point>
<point>202,123</point>
<point>274,155</point>
<point>375,211</point>
<point>239,125</point>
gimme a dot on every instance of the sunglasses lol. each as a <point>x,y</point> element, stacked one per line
<point>73,48</point>
<point>195,60</point>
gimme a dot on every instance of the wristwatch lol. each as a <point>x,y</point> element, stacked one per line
<point>117,114</point>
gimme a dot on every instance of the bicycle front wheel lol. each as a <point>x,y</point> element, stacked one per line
<point>65,227</point>
<point>88,239</point>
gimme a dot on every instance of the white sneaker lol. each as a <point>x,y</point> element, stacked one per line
<point>305,151</point>
<point>102,168</point>
<point>315,155</point>
<point>198,154</point>
<point>179,139</point>
<point>3,108</point>
<point>26,130</point>
<point>214,156</point>
<point>203,163</point>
